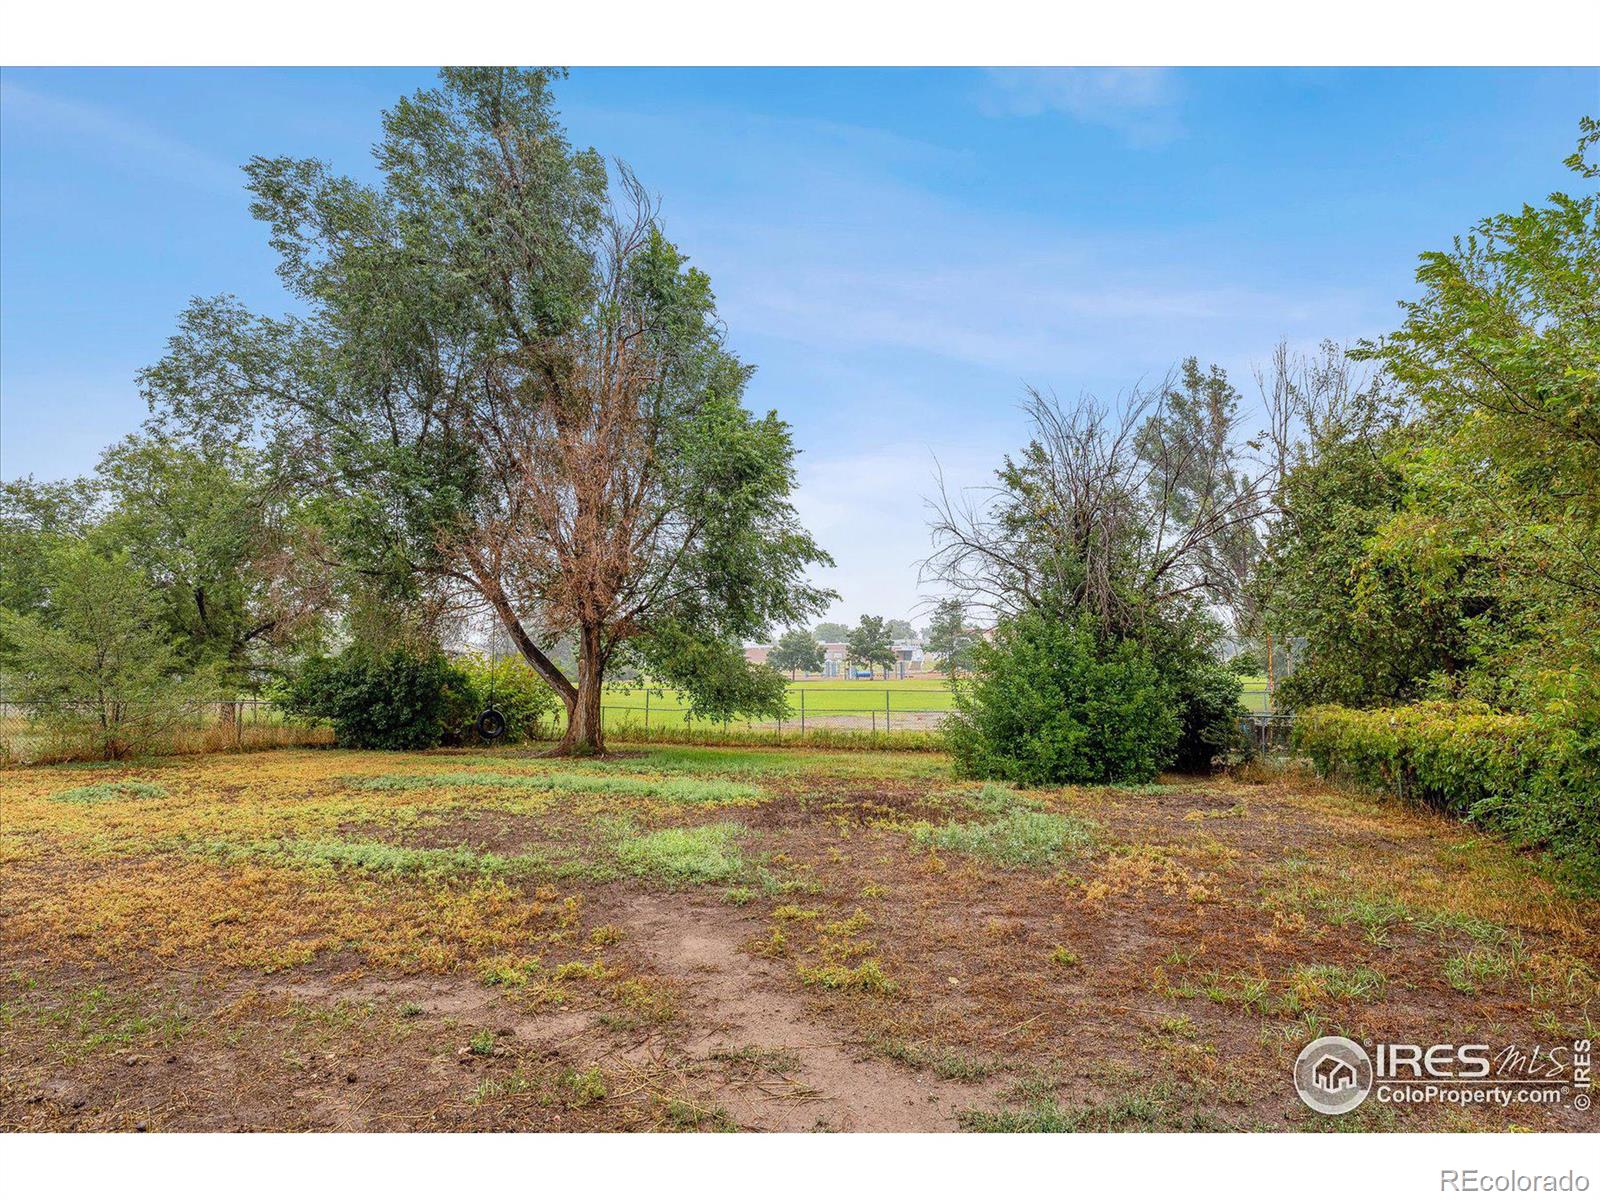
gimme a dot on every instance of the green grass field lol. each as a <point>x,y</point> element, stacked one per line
<point>826,698</point>
<point>915,702</point>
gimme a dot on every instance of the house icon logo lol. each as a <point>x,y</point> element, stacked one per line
<point>1333,1075</point>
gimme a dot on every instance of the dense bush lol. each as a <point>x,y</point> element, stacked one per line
<point>515,689</point>
<point>1246,662</point>
<point>397,700</point>
<point>1206,696</point>
<point>1534,780</point>
<point>1050,702</point>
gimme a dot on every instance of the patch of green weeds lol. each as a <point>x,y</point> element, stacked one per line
<point>674,791</point>
<point>122,789</point>
<point>1150,1109</point>
<point>376,857</point>
<point>686,1115</point>
<point>865,976</point>
<point>701,854</point>
<point>943,1062</point>
<point>1019,837</point>
<point>583,1087</point>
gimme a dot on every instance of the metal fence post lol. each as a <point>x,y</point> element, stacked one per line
<point>647,712</point>
<point>886,710</point>
<point>802,712</point>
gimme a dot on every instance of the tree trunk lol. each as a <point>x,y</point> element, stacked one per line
<point>531,654</point>
<point>585,734</point>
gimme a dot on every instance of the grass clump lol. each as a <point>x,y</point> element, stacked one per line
<point>373,857</point>
<point>1469,972</point>
<point>1309,984</point>
<point>700,854</point>
<point>122,789</point>
<point>1018,837</point>
<point>583,1087</point>
<point>674,791</point>
<point>865,976</point>
<point>1150,1109</point>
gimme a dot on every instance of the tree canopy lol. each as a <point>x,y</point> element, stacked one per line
<point>506,385</point>
<point>797,651</point>
<point>868,644</point>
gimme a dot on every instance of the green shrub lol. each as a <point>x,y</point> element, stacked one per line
<point>397,700</point>
<point>527,702</point>
<point>1050,702</point>
<point>1533,779</point>
<point>1206,694</point>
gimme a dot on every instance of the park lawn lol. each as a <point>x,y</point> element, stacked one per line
<point>826,699</point>
<point>693,938</point>
<point>626,704</point>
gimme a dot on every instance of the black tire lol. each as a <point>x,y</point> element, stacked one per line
<point>491,725</point>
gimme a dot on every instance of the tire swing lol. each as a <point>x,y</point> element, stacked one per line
<point>491,722</point>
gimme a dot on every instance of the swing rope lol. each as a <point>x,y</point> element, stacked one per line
<point>491,724</point>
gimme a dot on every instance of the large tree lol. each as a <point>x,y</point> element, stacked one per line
<point>507,382</point>
<point>1125,513</point>
<point>1440,531</point>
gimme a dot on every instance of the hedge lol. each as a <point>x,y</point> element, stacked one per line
<point>1532,779</point>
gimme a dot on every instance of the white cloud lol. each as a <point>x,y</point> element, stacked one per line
<point>117,139</point>
<point>1141,102</point>
<point>866,509</point>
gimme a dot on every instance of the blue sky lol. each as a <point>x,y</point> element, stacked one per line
<point>898,251</point>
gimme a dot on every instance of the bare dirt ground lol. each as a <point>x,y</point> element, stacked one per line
<point>754,940</point>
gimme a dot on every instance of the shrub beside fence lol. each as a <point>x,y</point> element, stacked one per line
<point>1534,780</point>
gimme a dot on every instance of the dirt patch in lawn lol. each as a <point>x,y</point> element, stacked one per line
<point>746,1007</point>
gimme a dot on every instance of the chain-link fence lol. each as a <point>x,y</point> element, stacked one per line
<point>229,724</point>
<point>248,723</point>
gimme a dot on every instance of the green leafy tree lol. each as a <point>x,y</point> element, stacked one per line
<point>36,519</point>
<point>948,637</point>
<point>796,651</point>
<point>831,631</point>
<point>868,644</point>
<point>236,567</point>
<point>95,662</point>
<point>1500,520</point>
<point>901,630</point>
<point>1438,539</point>
<point>506,379</point>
